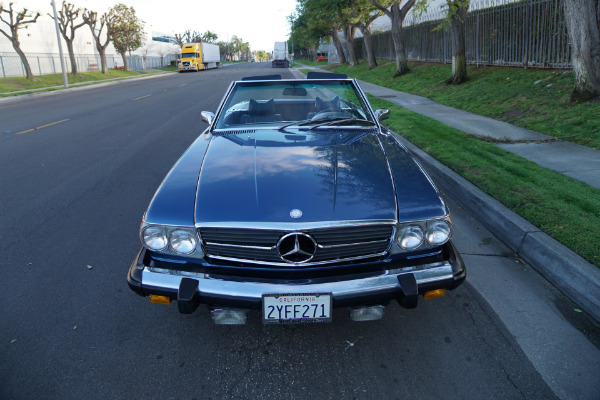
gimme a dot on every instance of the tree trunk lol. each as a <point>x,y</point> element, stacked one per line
<point>338,45</point>
<point>17,46</point>
<point>368,41</point>
<point>398,40</point>
<point>457,37</point>
<point>349,36</point>
<point>71,56</point>
<point>125,62</point>
<point>102,53</point>
<point>582,20</point>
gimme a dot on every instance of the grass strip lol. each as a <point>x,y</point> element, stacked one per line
<point>310,63</point>
<point>566,209</point>
<point>15,84</point>
<point>531,98</point>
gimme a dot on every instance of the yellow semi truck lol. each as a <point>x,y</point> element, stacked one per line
<point>199,56</point>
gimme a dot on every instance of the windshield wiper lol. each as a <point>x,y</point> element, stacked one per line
<point>342,121</point>
<point>299,123</point>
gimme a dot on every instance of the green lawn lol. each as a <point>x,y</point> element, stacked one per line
<point>564,208</point>
<point>531,98</point>
<point>310,63</point>
<point>15,84</point>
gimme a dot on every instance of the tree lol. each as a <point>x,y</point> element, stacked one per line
<point>304,35</point>
<point>364,13</point>
<point>582,18</point>
<point>126,30</point>
<point>97,28</point>
<point>262,55</point>
<point>345,18</point>
<point>165,51</point>
<point>67,27</point>
<point>315,22</point>
<point>145,50</point>
<point>224,49</point>
<point>209,37</point>
<point>189,37</point>
<point>16,21</point>
<point>236,44</point>
<point>457,15</point>
<point>396,14</point>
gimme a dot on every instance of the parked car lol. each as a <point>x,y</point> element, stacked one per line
<point>294,201</point>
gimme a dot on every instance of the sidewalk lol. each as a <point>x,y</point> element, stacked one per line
<point>566,270</point>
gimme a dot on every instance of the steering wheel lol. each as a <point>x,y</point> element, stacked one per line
<point>327,114</point>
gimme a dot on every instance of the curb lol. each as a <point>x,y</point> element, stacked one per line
<point>566,270</point>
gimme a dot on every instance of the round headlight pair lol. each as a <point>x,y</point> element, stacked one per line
<point>437,233</point>
<point>180,240</point>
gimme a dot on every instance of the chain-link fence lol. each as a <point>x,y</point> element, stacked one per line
<point>523,33</point>
<point>43,64</point>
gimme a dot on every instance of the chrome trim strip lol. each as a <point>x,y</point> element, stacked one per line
<point>304,264</point>
<point>241,246</point>
<point>294,226</point>
<point>254,290</point>
<point>335,246</point>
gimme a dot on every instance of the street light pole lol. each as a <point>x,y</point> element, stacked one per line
<point>60,52</point>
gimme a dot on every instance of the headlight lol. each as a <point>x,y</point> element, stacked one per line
<point>183,242</point>
<point>411,237</point>
<point>154,238</point>
<point>438,232</point>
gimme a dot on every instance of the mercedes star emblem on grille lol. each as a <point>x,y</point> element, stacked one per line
<point>296,247</point>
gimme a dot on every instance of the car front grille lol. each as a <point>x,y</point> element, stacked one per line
<point>259,246</point>
<point>185,63</point>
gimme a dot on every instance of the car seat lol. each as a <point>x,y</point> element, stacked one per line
<point>260,111</point>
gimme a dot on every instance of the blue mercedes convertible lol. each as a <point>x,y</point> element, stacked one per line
<point>294,201</point>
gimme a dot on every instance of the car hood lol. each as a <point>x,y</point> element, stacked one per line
<point>272,177</point>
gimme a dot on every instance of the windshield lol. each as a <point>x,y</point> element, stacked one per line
<point>282,104</point>
<point>188,55</point>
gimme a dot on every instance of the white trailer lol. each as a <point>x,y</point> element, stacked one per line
<point>280,55</point>
<point>211,56</point>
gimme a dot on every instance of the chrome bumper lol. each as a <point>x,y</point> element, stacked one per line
<point>190,288</point>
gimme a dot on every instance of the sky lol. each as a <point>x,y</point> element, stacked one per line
<point>259,22</point>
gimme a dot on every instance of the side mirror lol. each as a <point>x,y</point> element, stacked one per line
<point>208,117</point>
<point>382,113</point>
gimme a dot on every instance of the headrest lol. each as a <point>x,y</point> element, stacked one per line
<point>333,104</point>
<point>261,107</point>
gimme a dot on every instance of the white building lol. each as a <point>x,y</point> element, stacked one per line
<point>39,43</point>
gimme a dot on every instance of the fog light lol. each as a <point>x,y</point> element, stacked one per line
<point>154,298</point>
<point>229,317</point>
<point>432,294</point>
<point>373,313</point>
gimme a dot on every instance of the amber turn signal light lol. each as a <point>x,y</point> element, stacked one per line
<point>432,294</point>
<point>154,298</point>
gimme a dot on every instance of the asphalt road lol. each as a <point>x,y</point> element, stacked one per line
<point>72,193</point>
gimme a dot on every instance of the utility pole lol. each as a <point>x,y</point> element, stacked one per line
<point>60,52</point>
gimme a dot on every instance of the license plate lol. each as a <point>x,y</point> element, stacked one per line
<point>296,308</point>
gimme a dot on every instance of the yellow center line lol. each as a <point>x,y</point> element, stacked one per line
<point>182,85</point>
<point>43,126</point>
<point>148,95</point>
